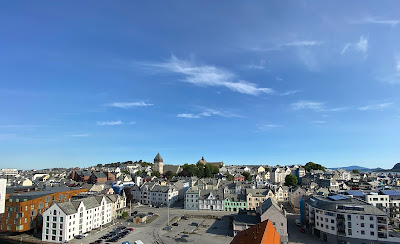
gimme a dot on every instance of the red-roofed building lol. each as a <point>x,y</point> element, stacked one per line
<point>261,233</point>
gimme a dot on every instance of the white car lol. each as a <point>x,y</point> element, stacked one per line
<point>85,235</point>
<point>298,222</point>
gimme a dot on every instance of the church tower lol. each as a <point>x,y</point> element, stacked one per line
<point>158,164</point>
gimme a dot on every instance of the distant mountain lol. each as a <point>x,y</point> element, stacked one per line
<point>359,168</point>
<point>396,168</point>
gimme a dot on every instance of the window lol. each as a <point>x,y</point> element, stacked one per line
<point>349,217</point>
<point>362,232</point>
<point>53,238</point>
<point>326,219</point>
<point>59,238</point>
<point>349,232</point>
<point>61,219</point>
<point>332,221</point>
<point>371,225</point>
<point>55,212</point>
<point>47,237</point>
<point>54,219</point>
<point>54,225</point>
<point>362,224</point>
<point>47,225</point>
<point>371,218</point>
<point>53,232</point>
<point>372,233</point>
<point>48,218</point>
<point>61,226</point>
<point>362,217</point>
<point>333,228</point>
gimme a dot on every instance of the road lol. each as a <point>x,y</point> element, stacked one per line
<point>295,236</point>
<point>152,232</point>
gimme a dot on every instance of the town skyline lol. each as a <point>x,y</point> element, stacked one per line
<point>263,83</point>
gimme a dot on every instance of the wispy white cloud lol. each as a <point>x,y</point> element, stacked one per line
<point>315,106</point>
<point>257,66</point>
<point>380,21</point>
<point>132,123</point>
<point>210,76</point>
<point>360,46</point>
<point>289,93</point>
<point>278,78</point>
<point>301,43</point>
<point>208,113</point>
<point>127,105</point>
<point>79,135</point>
<point>380,106</point>
<point>319,122</point>
<point>117,122</point>
<point>284,45</point>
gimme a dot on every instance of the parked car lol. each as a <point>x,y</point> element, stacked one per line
<point>167,228</point>
<point>78,237</point>
<point>302,230</point>
<point>134,213</point>
<point>195,224</point>
<point>184,217</point>
<point>175,224</point>
<point>298,223</point>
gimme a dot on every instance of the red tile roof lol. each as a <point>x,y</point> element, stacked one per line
<point>261,233</point>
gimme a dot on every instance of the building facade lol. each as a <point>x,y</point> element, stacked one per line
<point>24,210</point>
<point>63,221</point>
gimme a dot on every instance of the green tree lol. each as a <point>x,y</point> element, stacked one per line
<point>247,176</point>
<point>124,215</point>
<point>267,169</point>
<point>290,180</point>
<point>99,165</point>
<point>169,175</point>
<point>155,173</point>
<point>356,171</point>
<point>310,165</point>
<point>229,177</point>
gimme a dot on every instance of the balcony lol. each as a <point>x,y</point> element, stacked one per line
<point>382,220</point>
<point>382,228</point>
<point>382,235</point>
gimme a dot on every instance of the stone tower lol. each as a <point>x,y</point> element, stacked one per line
<point>158,164</point>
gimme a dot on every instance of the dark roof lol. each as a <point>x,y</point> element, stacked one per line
<point>37,194</point>
<point>348,205</point>
<point>158,158</point>
<point>391,192</point>
<point>247,217</point>
<point>99,175</point>
<point>356,193</point>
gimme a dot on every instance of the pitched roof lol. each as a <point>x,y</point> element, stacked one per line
<point>263,232</point>
<point>158,158</point>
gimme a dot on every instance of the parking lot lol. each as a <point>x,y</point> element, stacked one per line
<point>197,230</point>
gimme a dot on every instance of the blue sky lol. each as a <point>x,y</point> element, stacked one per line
<point>283,82</point>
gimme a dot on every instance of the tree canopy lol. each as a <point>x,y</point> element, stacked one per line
<point>310,165</point>
<point>290,180</point>
<point>356,171</point>
<point>247,176</point>
<point>200,170</point>
<point>229,177</point>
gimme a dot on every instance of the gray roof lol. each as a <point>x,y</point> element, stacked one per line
<point>173,168</point>
<point>71,207</point>
<point>235,197</point>
<point>247,217</point>
<point>67,207</point>
<point>158,158</point>
<point>99,175</point>
<point>332,205</point>
<point>267,204</point>
<point>36,194</point>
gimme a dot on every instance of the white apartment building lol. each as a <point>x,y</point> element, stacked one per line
<point>9,172</point>
<point>379,201</point>
<point>342,219</point>
<point>163,195</point>
<point>63,221</point>
<point>211,200</point>
<point>3,187</point>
